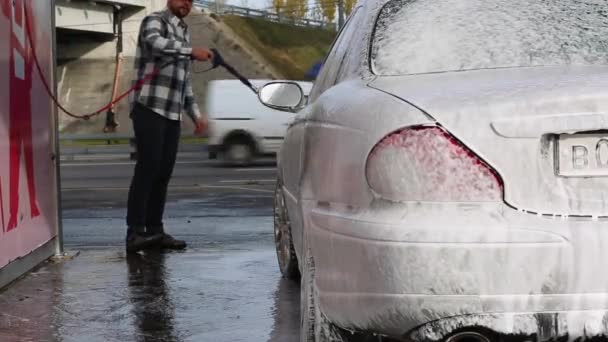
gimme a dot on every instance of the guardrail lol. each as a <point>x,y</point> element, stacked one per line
<point>100,146</point>
<point>107,139</point>
<point>266,15</point>
<point>113,138</point>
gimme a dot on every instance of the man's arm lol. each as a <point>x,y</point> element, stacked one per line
<point>190,105</point>
<point>159,45</point>
<point>193,110</point>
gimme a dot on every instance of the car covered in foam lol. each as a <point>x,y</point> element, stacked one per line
<point>447,179</point>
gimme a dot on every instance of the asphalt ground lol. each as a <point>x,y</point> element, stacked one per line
<point>225,287</point>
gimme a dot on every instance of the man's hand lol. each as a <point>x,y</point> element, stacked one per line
<point>201,126</point>
<point>202,54</point>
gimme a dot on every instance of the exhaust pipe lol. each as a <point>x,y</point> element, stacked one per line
<point>468,336</point>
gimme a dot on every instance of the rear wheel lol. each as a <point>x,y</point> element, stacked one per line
<point>239,151</point>
<point>286,255</point>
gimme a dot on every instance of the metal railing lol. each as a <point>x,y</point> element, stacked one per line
<point>115,145</point>
<point>102,139</point>
<point>111,138</point>
<point>266,15</point>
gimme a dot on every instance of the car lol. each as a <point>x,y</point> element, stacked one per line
<point>240,127</point>
<point>447,179</point>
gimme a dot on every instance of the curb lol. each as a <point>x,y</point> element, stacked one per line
<point>121,156</point>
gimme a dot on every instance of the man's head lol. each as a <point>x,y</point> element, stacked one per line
<point>180,8</point>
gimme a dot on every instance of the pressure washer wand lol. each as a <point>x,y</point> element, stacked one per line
<point>218,60</point>
<point>242,78</point>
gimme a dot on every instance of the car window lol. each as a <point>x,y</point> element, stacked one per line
<point>331,66</point>
<point>421,36</point>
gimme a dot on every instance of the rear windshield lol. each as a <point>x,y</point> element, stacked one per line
<point>422,36</point>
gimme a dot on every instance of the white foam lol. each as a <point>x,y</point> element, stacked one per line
<point>446,35</point>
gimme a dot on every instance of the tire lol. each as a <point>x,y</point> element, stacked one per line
<point>286,254</point>
<point>314,326</point>
<point>239,152</point>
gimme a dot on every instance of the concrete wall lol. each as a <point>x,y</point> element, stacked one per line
<point>87,61</point>
<point>86,55</point>
<point>96,20</point>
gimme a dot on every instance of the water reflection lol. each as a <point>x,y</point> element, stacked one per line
<point>151,302</point>
<point>286,327</point>
<point>28,308</point>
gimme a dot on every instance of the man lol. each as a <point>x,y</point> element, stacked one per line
<point>156,113</point>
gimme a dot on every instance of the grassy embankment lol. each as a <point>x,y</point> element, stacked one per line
<point>292,50</point>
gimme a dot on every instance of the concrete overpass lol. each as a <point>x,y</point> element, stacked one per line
<point>87,28</point>
<point>87,43</point>
<point>92,16</point>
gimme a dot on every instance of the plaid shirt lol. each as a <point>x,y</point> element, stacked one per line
<point>163,38</point>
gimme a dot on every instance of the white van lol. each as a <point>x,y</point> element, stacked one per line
<point>240,127</point>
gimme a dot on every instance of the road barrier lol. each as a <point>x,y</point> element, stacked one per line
<point>116,146</point>
<point>266,15</point>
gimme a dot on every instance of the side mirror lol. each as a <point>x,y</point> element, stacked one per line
<point>284,96</point>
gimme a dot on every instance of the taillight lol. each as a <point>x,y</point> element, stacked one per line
<point>426,163</point>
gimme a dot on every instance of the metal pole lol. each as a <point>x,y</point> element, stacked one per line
<point>111,123</point>
<point>340,13</point>
<point>55,141</point>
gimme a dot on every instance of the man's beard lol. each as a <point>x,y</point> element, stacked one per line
<point>181,13</point>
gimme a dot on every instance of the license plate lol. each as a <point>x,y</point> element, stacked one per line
<point>582,155</point>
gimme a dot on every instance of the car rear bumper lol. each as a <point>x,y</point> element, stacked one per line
<point>414,317</point>
<point>393,269</point>
<point>528,326</point>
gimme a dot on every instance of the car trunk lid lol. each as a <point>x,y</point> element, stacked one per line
<point>543,129</point>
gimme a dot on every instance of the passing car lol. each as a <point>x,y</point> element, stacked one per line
<point>447,179</point>
<point>240,127</point>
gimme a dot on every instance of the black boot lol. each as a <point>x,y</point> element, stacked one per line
<point>167,241</point>
<point>137,240</point>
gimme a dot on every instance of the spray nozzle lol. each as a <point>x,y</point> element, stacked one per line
<point>111,123</point>
<point>218,60</point>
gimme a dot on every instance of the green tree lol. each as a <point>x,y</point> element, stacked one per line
<point>349,5</point>
<point>291,7</point>
<point>301,8</point>
<point>329,10</point>
<point>278,6</point>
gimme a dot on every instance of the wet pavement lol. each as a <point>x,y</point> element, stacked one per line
<point>225,287</point>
